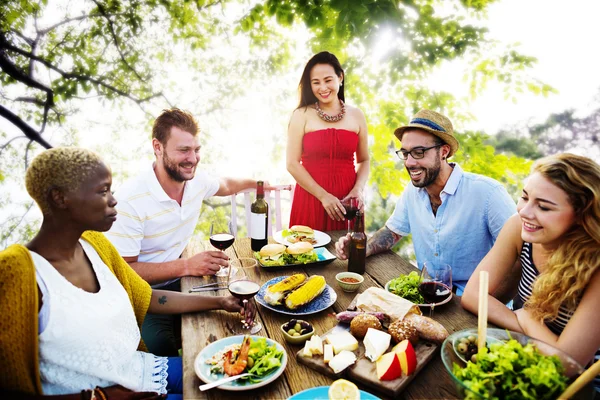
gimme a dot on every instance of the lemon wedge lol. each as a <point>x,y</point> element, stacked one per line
<point>343,390</point>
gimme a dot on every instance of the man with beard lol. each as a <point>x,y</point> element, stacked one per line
<point>454,216</point>
<point>157,214</point>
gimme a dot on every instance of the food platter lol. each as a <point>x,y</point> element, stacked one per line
<point>322,302</point>
<point>325,257</point>
<point>428,305</point>
<point>202,369</point>
<point>322,393</point>
<point>321,237</point>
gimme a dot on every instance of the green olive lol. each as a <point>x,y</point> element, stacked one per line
<point>291,332</point>
<point>250,362</point>
<point>464,340</point>
<point>297,327</point>
<point>296,334</point>
<point>462,348</point>
<point>474,358</point>
<point>472,339</point>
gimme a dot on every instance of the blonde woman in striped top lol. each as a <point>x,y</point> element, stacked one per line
<point>554,243</point>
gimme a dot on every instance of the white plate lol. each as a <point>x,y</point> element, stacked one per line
<point>447,299</point>
<point>203,369</point>
<point>322,238</point>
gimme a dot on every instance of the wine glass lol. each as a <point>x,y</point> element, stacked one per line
<point>222,237</point>
<point>243,282</point>
<point>436,283</point>
<point>351,206</point>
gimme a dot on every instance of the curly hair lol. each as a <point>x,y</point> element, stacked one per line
<point>184,120</point>
<point>61,167</point>
<point>577,258</point>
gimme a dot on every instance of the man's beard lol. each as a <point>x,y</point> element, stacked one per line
<point>429,174</point>
<point>173,169</point>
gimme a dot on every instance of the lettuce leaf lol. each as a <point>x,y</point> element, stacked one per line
<point>268,262</point>
<point>407,286</point>
<point>266,358</point>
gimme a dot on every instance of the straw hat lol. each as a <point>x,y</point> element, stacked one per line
<point>434,123</point>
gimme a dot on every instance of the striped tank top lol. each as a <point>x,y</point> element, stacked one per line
<point>528,276</point>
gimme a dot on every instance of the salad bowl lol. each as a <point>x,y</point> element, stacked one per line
<point>481,387</point>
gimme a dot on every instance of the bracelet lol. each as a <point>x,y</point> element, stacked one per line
<point>101,393</point>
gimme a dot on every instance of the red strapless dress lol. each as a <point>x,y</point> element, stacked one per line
<point>328,156</point>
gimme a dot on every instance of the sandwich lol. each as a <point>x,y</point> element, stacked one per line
<point>271,255</point>
<point>299,233</point>
<point>301,253</point>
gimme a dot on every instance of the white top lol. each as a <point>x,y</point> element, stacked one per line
<point>153,226</point>
<point>91,339</point>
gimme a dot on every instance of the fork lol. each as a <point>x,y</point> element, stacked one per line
<point>224,380</point>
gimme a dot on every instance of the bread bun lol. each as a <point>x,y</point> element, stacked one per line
<point>271,250</point>
<point>302,228</point>
<point>299,248</point>
<point>403,330</point>
<point>361,323</point>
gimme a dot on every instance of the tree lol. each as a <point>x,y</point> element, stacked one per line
<point>56,54</point>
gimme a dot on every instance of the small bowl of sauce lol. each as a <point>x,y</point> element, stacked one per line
<point>349,281</point>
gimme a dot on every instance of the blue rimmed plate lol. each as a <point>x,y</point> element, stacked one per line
<point>203,369</point>
<point>322,302</point>
<point>325,257</point>
<point>322,393</point>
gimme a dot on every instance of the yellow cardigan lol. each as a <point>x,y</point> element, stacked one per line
<point>19,304</point>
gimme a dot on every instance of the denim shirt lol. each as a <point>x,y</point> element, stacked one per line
<point>474,208</point>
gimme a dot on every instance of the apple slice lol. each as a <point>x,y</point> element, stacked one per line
<point>388,367</point>
<point>407,357</point>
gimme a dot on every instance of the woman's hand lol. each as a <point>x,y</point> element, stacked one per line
<point>333,207</point>
<point>232,304</point>
<point>358,194</point>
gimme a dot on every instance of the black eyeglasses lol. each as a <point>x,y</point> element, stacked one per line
<point>416,153</point>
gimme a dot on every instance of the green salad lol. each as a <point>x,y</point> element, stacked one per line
<point>407,286</point>
<point>513,371</point>
<point>287,259</point>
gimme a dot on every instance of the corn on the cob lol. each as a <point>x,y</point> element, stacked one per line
<point>276,292</point>
<point>305,293</point>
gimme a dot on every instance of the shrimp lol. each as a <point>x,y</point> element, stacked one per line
<point>241,362</point>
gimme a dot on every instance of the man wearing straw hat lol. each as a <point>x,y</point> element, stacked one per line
<point>454,216</point>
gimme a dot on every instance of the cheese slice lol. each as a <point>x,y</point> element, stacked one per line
<point>342,361</point>
<point>342,341</point>
<point>307,352</point>
<point>376,343</point>
<point>316,345</point>
<point>327,353</point>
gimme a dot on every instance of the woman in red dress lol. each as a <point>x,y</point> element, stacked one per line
<point>324,134</point>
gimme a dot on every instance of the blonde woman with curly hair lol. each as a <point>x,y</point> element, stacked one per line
<point>554,243</point>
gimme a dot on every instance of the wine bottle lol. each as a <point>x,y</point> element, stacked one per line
<point>358,245</point>
<point>259,219</point>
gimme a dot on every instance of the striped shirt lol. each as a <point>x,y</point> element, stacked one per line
<point>528,276</point>
<point>151,225</point>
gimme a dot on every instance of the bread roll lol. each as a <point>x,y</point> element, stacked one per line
<point>403,330</point>
<point>361,323</point>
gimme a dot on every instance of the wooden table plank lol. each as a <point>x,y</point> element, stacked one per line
<point>200,329</point>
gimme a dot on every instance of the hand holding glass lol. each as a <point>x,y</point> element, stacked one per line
<point>351,205</point>
<point>436,283</point>
<point>243,282</point>
<point>221,237</point>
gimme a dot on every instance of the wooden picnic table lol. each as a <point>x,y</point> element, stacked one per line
<point>201,329</point>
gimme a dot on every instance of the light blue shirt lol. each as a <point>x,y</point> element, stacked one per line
<point>473,211</point>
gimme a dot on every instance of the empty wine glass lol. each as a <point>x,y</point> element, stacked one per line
<point>243,282</point>
<point>222,237</point>
<point>436,283</point>
<point>351,206</point>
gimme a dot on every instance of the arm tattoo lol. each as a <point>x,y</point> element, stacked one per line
<point>162,300</point>
<point>382,240</point>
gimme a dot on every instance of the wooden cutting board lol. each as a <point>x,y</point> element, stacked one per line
<point>364,371</point>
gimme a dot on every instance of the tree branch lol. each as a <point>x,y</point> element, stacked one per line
<point>31,133</point>
<point>5,145</point>
<point>43,32</point>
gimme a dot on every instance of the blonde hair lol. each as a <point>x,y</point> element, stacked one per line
<point>64,168</point>
<point>577,258</point>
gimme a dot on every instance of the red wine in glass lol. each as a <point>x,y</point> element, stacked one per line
<point>244,289</point>
<point>351,206</point>
<point>351,213</point>
<point>222,241</point>
<point>434,292</point>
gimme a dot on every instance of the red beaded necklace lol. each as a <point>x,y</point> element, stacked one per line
<point>331,118</point>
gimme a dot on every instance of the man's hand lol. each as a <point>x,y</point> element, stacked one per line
<point>206,263</point>
<point>342,247</point>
